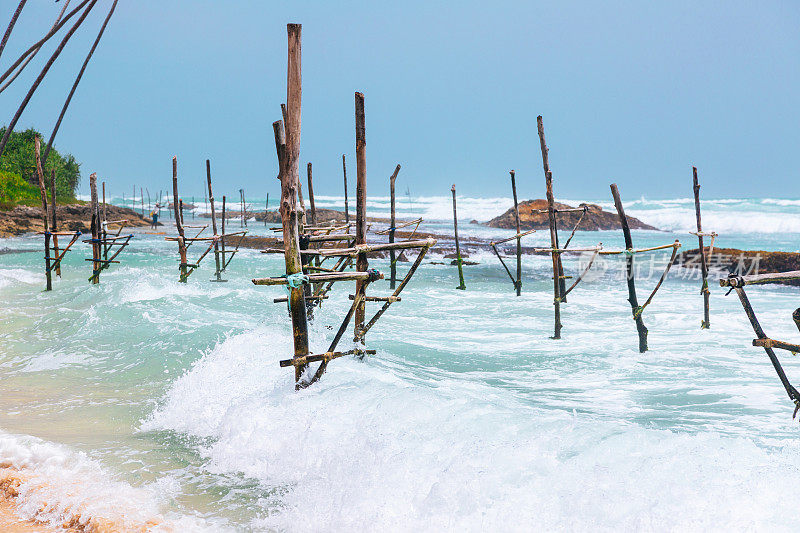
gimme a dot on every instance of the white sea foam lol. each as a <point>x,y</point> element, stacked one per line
<point>369,449</point>
<point>51,484</point>
<point>13,276</point>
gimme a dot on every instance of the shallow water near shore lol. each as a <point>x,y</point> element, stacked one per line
<point>167,399</point>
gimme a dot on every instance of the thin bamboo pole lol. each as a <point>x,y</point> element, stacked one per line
<point>95,279</point>
<point>222,238</point>
<point>244,218</point>
<point>11,24</point>
<point>45,216</point>
<point>266,208</point>
<point>635,309</point>
<point>104,222</point>
<point>361,208</point>
<point>703,264</point>
<point>217,270</point>
<point>459,261</point>
<point>54,226</point>
<point>42,74</point>
<point>313,220</point>
<point>78,80</point>
<point>392,259</point>
<point>346,208</point>
<point>178,204</point>
<point>518,284</point>
<point>290,181</point>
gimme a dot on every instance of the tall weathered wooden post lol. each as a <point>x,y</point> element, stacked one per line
<point>459,261</point>
<point>361,209</point>
<point>311,196</point>
<point>290,180</point>
<point>54,225</point>
<point>703,264</point>
<point>45,215</point>
<point>178,205</point>
<point>550,207</point>
<point>346,208</point>
<point>629,270</point>
<point>218,269</point>
<point>95,225</point>
<point>392,259</point>
<point>518,284</point>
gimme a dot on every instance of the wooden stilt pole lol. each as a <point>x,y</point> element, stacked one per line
<point>244,217</point>
<point>179,220</point>
<point>290,181</point>
<point>96,236</point>
<point>551,212</point>
<point>796,317</point>
<point>361,209</point>
<point>222,239</point>
<point>103,230</point>
<point>459,261</point>
<point>635,309</point>
<point>311,196</point>
<point>392,259</point>
<point>346,208</point>
<point>266,208</point>
<point>45,215</point>
<point>703,261</point>
<point>54,218</point>
<point>141,193</point>
<point>217,270</point>
<point>518,284</point>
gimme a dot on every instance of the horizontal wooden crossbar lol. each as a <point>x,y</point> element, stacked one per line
<point>391,299</point>
<point>322,278</point>
<point>399,226</point>
<point>770,343</point>
<point>675,244</point>
<point>366,248</point>
<point>517,236</point>
<point>284,299</point>
<point>755,279</point>
<point>327,356</point>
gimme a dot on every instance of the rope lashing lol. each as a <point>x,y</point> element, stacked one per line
<point>374,274</point>
<point>637,312</point>
<point>629,252</point>
<point>295,281</point>
<point>704,288</point>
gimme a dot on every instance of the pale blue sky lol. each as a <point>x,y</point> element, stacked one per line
<point>633,92</point>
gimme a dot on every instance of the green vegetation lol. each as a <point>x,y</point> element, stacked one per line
<point>18,171</point>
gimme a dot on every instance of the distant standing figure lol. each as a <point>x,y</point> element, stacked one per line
<point>154,218</point>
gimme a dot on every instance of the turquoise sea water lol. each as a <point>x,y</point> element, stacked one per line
<point>143,397</point>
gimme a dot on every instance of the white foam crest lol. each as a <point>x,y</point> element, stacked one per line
<point>368,448</point>
<point>51,484</point>
<point>14,276</point>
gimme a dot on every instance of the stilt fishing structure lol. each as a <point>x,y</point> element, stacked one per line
<point>101,242</point>
<point>299,270</point>
<point>738,283</point>
<point>629,253</point>
<point>518,237</point>
<point>704,258</point>
<point>393,227</point>
<point>51,233</point>
<point>218,242</point>
<point>459,262</point>
<point>185,242</point>
<point>560,290</point>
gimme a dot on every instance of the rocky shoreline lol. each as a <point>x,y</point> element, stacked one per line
<point>71,217</point>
